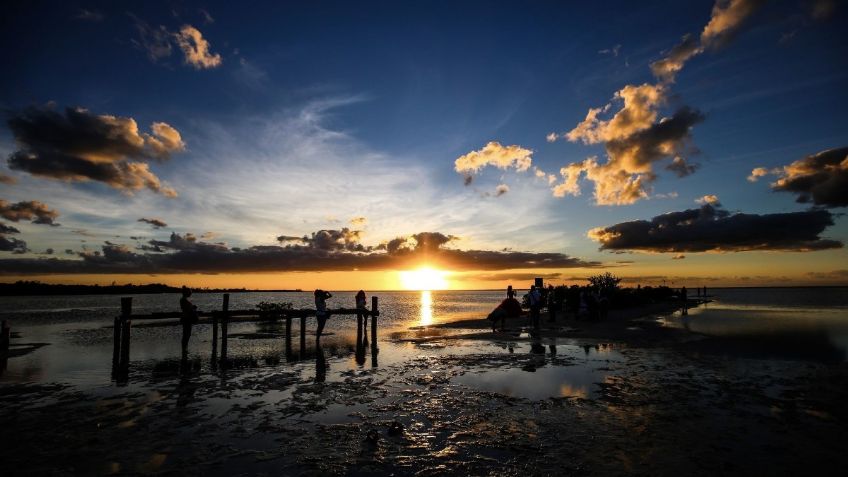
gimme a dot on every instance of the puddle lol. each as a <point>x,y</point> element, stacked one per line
<point>564,372</point>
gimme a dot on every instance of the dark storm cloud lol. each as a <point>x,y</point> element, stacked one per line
<point>712,229</point>
<point>156,223</point>
<point>187,242</point>
<point>80,146</point>
<point>12,245</point>
<point>8,229</point>
<point>665,138</point>
<point>322,251</point>
<point>37,212</point>
<point>820,178</point>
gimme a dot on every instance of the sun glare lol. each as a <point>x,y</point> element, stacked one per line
<point>424,279</point>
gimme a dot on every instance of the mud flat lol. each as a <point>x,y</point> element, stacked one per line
<point>626,396</point>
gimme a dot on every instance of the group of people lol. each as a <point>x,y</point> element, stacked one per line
<point>537,298</point>
<point>590,305</point>
<point>189,315</point>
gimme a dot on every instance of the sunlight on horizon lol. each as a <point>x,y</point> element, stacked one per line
<point>423,279</point>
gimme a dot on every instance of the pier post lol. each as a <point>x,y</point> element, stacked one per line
<point>224,321</point>
<point>288,337</point>
<point>126,323</point>
<point>116,343</point>
<point>5,337</point>
<point>302,336</point>
<point>214,340</point>
<point>374,312</point>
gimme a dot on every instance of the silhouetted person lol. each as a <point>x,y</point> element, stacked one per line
<point>705,291</point>
<point>361,315</point>
<point>535,299</point>
<point>683,300</point>
<point>510,293</point>
<point>188,318</point>
<point>321,313</point>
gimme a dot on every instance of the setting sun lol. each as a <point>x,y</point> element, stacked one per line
<point>424,279</point>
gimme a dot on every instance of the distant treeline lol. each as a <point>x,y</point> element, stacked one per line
<point>20,288</point>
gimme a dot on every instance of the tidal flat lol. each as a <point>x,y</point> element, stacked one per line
<point>654,398</point>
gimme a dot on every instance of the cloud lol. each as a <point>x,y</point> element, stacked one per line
<point>710,199</point>
<point>155,223</point>
<point>667,68</point>
<point>187,242</point>
<point>501,189</point>
<point>325,250</point>
<point>196,48</point>
<point>8,229</point>
<point>89,15</point>
<point>820,178</point>
<point>156,42</point>
<point>758,172</point>
<point>710,228</point>
<point>358,221</point>
<point>631,152</point>
<point>610,51</point>
<point>37,212</point>
<point>80,146</point>
<point>822,9</point>
<point>638,112</point>
<point>7,179</point>
<point>12,245</point>
<point>207,17</point>
<point>727,18</point>
<point>633,137</point>
<point>493,154</point>
<point>679,256</point>
<point>841,274</point>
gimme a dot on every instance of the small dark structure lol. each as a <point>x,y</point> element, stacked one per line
<point>123,326</point>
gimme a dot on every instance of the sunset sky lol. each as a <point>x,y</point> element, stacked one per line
<point>338,144</point>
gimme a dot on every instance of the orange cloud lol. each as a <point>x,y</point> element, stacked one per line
<point>196,48</point>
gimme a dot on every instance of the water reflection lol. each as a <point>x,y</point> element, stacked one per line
<point>426,308</point>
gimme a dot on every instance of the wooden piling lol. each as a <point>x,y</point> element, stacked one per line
<point>116,342</point>
<point>126,323</point>
<point>302,336</point>
<point>288,337</point>
<point>5,337</point>
<point>374,312</point>
<point>225,308</point>
<point>214,339</point>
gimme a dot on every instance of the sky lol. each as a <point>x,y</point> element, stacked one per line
<point>345,145</point>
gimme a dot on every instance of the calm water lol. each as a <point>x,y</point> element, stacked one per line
<point>78,329</point>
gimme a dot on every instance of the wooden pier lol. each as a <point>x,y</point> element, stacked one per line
<point>222,318</point>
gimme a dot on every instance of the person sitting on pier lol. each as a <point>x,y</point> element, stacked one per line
<point>188,318</point>
<point>321,313</point>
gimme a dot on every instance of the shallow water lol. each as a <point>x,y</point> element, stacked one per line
<point>489,407</point>
<point>78,330</point>
<point>790,321</point>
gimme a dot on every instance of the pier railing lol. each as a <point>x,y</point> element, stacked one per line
<point>222,318</point>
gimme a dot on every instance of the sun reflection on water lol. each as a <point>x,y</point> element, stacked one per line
<point>426,308</point>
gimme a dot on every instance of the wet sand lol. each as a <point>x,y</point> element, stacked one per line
<point>623,396</point>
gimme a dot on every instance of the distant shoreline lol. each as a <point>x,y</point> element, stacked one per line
<point>47,289</point>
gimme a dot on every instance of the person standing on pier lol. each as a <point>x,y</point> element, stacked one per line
<point>321,313</point>
<point>188,318</point>
<point>361,307</point>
